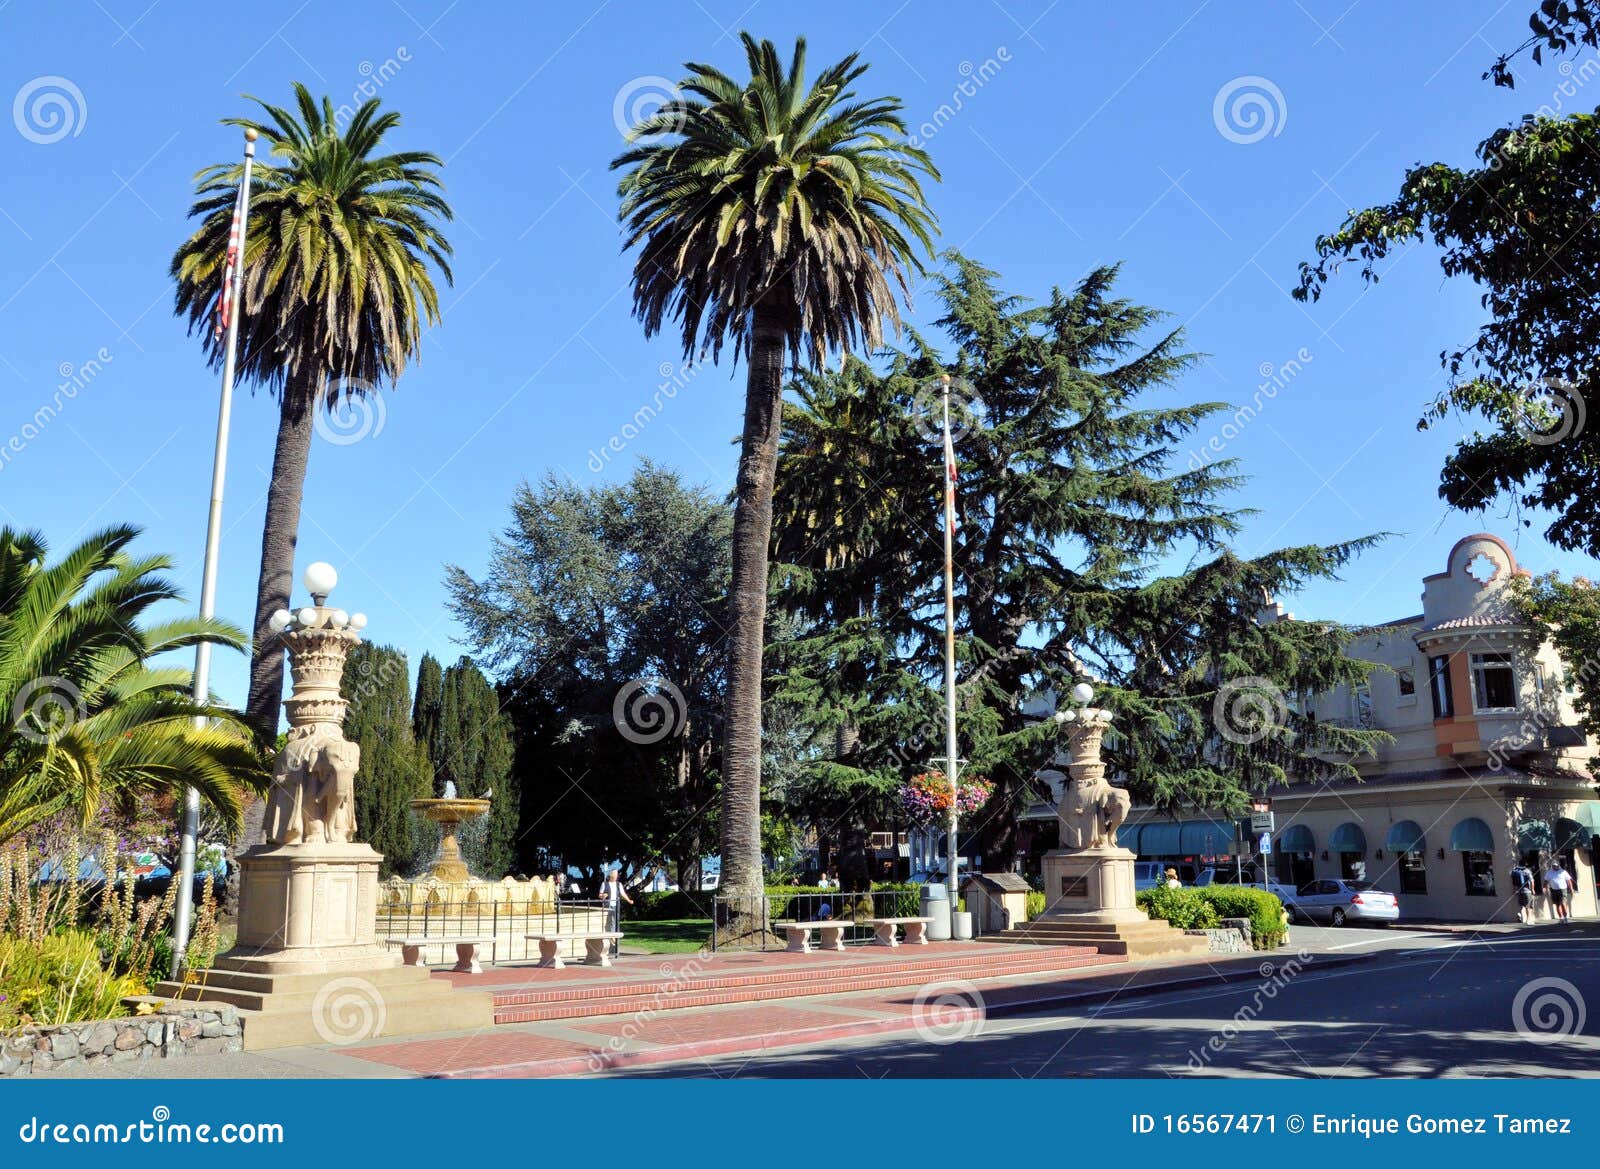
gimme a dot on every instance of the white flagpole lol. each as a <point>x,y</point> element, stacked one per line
<point>952,849</point>
<point>183,910</point>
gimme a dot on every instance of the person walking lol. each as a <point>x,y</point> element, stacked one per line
<point>1558,882</point>
<point>1522,886</point>
<point>613,894</point>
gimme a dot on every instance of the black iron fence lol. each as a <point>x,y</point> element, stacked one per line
<point>423,913</point>
<point>756,922</point>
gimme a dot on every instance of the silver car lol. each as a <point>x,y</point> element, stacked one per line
<point>1340,901</point>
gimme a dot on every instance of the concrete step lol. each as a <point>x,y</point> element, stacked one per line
<point>251,991</point>
<point>652,997</point>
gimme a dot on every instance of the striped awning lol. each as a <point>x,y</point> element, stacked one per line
<point>1348,837</point>
<point>1471,835</point>
<point>1160,838</point>
<point>1128,836</point>
<point>1405,836</point>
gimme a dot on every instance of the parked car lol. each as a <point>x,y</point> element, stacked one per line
<point>1149,874</point>
<point>1340,901</point>
<point>1226,876</point>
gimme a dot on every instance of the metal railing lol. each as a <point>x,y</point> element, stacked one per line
<point>508,923</point>
<point>754,922</point>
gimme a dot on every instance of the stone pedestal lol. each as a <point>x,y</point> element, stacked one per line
<point>308,908</point>
<point>1091,885</point>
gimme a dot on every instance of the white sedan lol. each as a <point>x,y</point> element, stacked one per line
<point>1340,901</point>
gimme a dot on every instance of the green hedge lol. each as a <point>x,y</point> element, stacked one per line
<point>670,906</point>
<point>1268,922</point>
<point>851,905</point>
<point>1204,909</point>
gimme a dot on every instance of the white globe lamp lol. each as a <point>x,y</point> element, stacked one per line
<point>279,621</point>
<point>1082,693</point>
<point>320,579</point>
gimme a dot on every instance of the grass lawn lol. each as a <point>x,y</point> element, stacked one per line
<point>682,935</point>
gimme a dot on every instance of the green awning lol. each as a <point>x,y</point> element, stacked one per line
<point>1160,838</point>
<point>1348,837</point>
<point>1588,814</point>
<point>1534,836</point>
<point>1205,837</point>
<point>1128,836</point>
<point>1471,835</point>
<point>1405,836</point>
<point>1297,838</point>
<point>1571,834</point>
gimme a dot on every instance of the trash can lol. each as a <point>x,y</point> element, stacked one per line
<point>935,903</point>
<point>961,926</point>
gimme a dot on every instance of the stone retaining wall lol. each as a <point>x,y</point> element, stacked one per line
<point>173,1031</point>
<point>1233,937</point>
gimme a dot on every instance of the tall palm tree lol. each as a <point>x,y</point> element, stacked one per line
<point>337,291</point>
<point>781,221</point>
<point>85,721</point>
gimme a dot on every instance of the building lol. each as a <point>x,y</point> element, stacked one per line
<point>1487,763</point>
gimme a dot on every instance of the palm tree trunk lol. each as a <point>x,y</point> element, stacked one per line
<point>747,609</point>
<point>276,581</point>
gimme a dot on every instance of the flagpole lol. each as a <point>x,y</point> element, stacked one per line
<point>952,848</point>
<point>183,910</point>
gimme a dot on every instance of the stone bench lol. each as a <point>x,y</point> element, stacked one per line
<point>596,946</point>
<point>466,949</point>
<point>916,929</point>
<point>831,933</point>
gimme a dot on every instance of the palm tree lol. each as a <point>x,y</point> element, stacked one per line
<point>337,292</point>
<point>782,221</point>
<point>85,721</point>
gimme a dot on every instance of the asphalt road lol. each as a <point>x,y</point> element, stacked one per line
<point>1425,1006</point>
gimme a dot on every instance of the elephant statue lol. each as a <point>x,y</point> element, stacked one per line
<point>312,799</point>
<point>1091,812</point>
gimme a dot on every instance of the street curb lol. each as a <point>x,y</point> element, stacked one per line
<point>600,1061</point>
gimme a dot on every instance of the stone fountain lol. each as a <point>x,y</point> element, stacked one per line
<point>449,813</point>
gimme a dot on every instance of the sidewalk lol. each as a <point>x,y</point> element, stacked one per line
<point>941,1009</point>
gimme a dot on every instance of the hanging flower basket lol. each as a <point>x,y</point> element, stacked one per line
<point>926,798</point>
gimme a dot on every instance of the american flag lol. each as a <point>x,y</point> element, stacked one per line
<point>231,268</point>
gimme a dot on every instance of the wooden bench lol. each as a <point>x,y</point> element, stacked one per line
<point>466,949</point>
<point>830,931</point>
<point>596,946</point>
<point>884,927</point>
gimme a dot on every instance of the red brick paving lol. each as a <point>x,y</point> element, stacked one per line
<point>700,1026</point>
<point>433,1056</point>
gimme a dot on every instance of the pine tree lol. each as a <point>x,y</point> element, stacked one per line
<point>472,749</point>
<point>1074,496</point>
<point>425,709</point>
<point>394,767</point>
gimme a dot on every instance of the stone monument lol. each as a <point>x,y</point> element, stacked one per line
<point>308,965</point>
<point>1088,880</point>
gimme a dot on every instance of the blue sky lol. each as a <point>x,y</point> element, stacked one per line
<point>1092,137</point>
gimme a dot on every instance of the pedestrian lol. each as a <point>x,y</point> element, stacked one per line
<point>1559,884</point>
<point>1172,879</point>
<point>613,894</point>
<point>1522,886</point>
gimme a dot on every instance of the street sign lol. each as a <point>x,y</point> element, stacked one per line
<point>1263,822</point>
<point>1266,845</point>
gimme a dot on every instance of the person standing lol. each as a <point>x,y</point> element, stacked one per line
<point>1559,884</point>
<point>1522,886</point>
<point>613,894</point>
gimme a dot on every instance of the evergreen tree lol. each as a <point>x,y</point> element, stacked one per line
<point>425,709</point>
<point>394,767</point>
<point>1073,497</point>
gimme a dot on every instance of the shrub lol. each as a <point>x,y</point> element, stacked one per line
<point>1035,903</point>
<point>1185,909</point>
<point>1265,911</point>
<point>669,906</point>
<point>58,979</point>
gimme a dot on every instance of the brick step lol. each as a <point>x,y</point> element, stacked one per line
<point>800,974</point>
<point>661,998</point>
